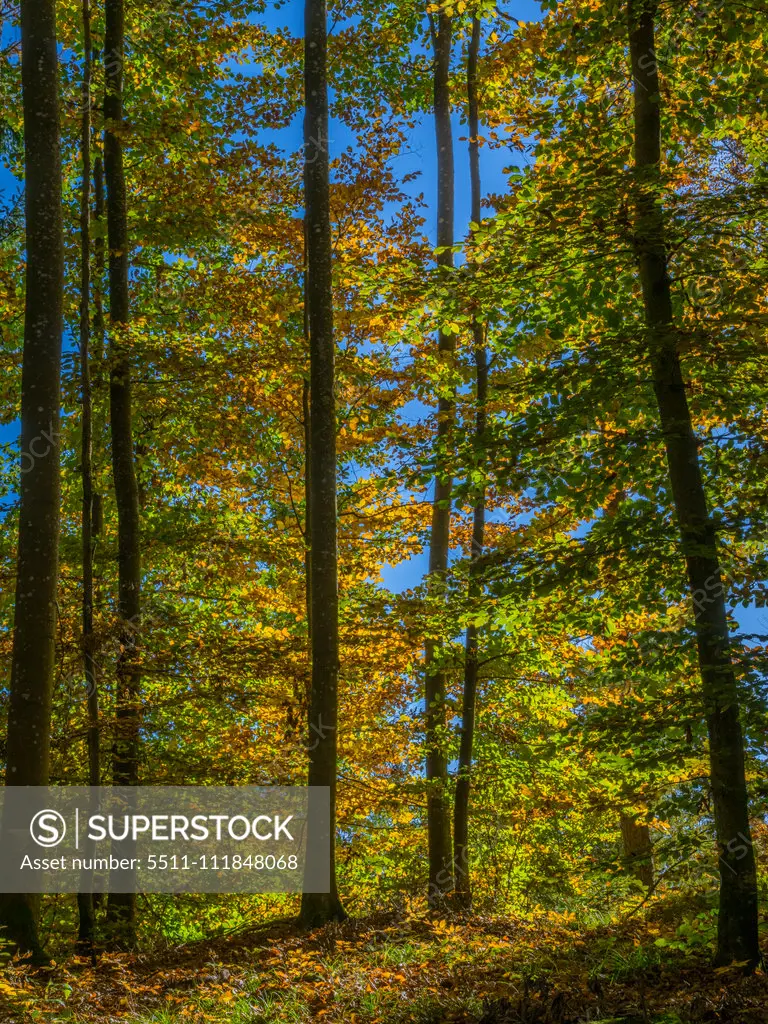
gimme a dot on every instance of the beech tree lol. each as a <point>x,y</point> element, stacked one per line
<point>440,873</point>
<point>125,770</point>
<point>317,908</point>
<point>461,852</point>
<point>34,630</point>
<point>88,517</point>
<point>737,938</point>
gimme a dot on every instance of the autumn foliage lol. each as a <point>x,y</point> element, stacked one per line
<point>611,701</point>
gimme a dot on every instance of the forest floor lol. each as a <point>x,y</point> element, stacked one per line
<point>384,970</point>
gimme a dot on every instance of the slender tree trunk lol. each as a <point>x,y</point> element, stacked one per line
<point>307,516</point>
<point>737,923</point>
<point>87,922</point>
<point>638,852</point>
<point>440,867</point>
<point>461,855</point>
<point>99,329</point>
<point>305,409</point>
<point>29,713</point>
<point>121,906</point>
<point>306,696</point>
<point>317,908</point>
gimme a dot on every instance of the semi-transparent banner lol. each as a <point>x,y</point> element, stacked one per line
<point>257,839</point>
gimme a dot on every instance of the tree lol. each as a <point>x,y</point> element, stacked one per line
<point>29,719</point>
<point>737,938</point>
<point>125,772</point>
<point>317,908</point>
<point>88,524</point>
<point>461,856</point>
<point>440,868</point>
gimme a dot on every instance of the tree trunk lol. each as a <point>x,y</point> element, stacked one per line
<point>737,938</point>
<point>318,908</point>
<point>99,329</point>
<point>86,927</point>
<point>305,410</point>
<point>469,695</point>
<point>440,867</point>
<point>121,906</point>
<point>638,852</point>
<point>31,686</point>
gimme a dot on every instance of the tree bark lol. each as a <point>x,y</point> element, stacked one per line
<point>85,904</point>
<point>305,410</point>
<point>31,685</point>
<point>737,938</point>
<point>461,853</point>
<point>440,866</point>
<point>121,907</point>
<point>99,329</point>
<point>318,908</point>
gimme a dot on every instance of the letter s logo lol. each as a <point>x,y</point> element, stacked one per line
<point>48,828</point>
